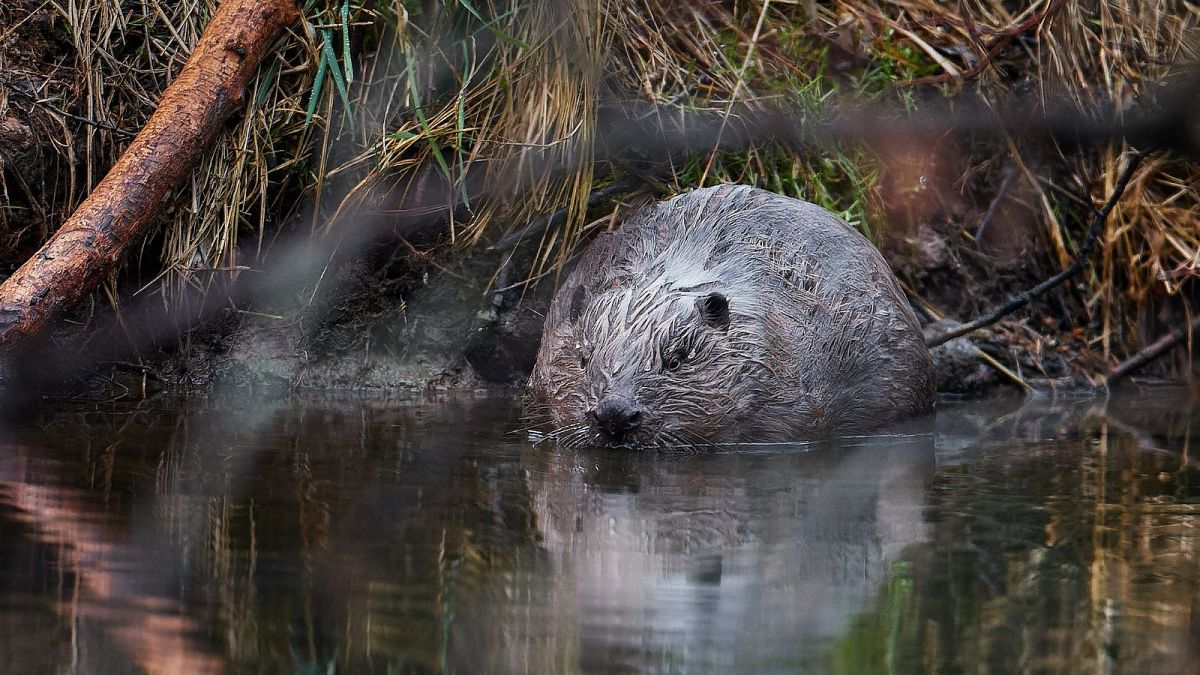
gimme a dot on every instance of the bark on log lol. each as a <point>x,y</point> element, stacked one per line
<point>193,109</point>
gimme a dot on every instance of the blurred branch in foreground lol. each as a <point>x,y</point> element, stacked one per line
<point>633,136</point>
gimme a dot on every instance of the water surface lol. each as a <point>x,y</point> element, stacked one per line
<point>394,535</point>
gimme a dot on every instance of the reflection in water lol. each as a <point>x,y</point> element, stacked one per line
<point>377,535</point>
<point>734,561</point>
<point>1062,540</point>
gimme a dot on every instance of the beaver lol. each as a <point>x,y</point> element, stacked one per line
<point>728,314</point>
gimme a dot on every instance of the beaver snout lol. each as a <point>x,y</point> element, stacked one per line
<point>617,418</point>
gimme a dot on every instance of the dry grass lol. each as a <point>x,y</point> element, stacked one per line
<point>117,64</point>
<point>1099,57</point>
<point>1103,58</point>
<point>516,104</point>
<point>365,93</point>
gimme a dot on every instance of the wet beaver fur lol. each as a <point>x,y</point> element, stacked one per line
<point>728,314</point>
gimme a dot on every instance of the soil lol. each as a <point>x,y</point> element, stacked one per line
<point>36,147</point>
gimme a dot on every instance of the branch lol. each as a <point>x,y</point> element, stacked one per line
<point>987,55</point>
<point>1160,346</point>
<point>193,109</point>
<point>1085,252</point>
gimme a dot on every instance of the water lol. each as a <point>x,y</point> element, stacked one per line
<point>349,534</point>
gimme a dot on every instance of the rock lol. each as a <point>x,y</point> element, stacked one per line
<point>957,365</point>
<point>16,139</point>
<point>504,346</point>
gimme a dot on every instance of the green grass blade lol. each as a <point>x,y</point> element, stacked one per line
<point>424,122</point>
<point>346,61</point>
<point>491,25</point>
<point>268,81</point>
<point>335,72</point>
<point>318,82</point>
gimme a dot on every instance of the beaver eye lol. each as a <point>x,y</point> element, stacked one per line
<point>583,360</point>
<point>673,361</point>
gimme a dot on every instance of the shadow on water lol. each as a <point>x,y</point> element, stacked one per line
<point>394,535</point>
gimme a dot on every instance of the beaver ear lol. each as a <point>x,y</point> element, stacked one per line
<point>578,303</point>
<point>714,310</point>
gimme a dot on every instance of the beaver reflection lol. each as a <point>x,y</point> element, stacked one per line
<point>708,562</point>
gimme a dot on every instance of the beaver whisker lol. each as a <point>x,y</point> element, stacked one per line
<point>584,438</point>
<point>578,435</point>
<point>555,435</point>
<point>568,431</point>
<point>675,440</point>
<point>690,439</point>
<point>565,440</point>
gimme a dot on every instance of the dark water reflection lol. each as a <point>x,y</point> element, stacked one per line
<point>386,535</point>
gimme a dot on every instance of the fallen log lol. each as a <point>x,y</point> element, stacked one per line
<point>193,109</point>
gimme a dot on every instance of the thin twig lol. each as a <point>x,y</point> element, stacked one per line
<point>1159,347</point>
<point>973,33</point>
<point>1002,369</point>
<point>128,133</point>
<point>1081,258</point>
<point>991,210</point>
<point>737,87</point>
<point>999,44</point>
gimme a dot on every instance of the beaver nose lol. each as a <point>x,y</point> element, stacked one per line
<point>617,417</point>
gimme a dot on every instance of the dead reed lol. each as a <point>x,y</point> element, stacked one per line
<point>510,95</point>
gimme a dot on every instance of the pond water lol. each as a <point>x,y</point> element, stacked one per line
<point>377,534</point>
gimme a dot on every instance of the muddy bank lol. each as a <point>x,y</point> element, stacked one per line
<point>451,329</point>
<point>472,320</point>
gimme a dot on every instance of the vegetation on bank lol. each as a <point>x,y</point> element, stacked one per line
<point>515,111</point>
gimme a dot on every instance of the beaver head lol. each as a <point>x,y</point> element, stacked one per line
<point>650,366</point>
